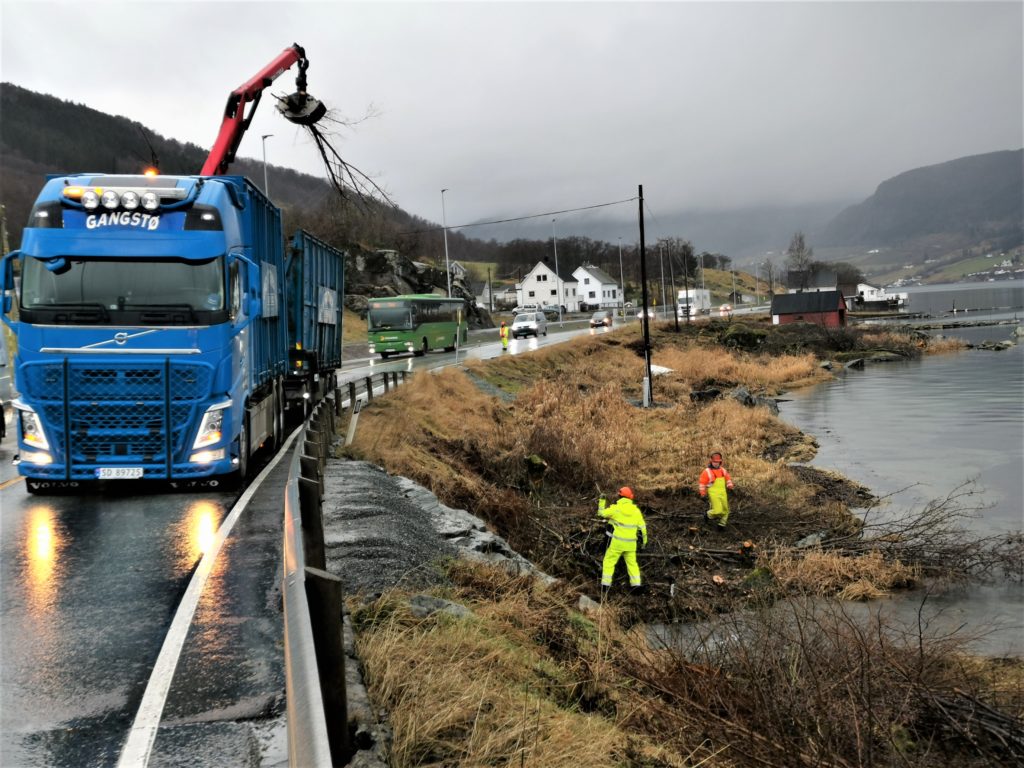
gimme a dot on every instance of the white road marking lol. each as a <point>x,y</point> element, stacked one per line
<point>139,744</point>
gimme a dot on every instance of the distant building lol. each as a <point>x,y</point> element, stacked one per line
<point>457,271</point>
<point>825,308</point>
<point>596,289</point>
<point>542,286</point>
<point>867,298</point>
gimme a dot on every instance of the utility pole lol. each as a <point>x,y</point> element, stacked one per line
<point>646,322</point>
<point>672,277</point>
<point>622,280</point>
<point>444,223</point>
<point>490,292</point>
<point>661,252</point>
<point>558,278</point>
<point>686,285</point>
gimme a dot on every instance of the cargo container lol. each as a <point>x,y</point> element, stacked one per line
<point>314,292</point>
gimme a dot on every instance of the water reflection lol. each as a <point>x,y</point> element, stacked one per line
<point>44,542</point>
<point>197,532</point>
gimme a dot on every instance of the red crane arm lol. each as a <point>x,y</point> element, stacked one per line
<point>236,122</point>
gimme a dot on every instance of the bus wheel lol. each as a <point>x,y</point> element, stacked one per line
<point>455,341</point>
<point>385,355</point>
<point>423,350</point>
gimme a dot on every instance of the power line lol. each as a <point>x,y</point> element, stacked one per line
<point>518,218</point>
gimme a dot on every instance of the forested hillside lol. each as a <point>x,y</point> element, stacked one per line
<point>972,199</point>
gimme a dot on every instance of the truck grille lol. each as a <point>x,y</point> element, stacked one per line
<point>116,414</point>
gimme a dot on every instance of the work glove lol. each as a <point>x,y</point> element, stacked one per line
<point>703,494</point>
<point>602,502</point>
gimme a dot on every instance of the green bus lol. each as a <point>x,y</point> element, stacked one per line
<point>415,324</point>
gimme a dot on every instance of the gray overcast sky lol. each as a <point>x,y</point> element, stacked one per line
<point>520,108</point>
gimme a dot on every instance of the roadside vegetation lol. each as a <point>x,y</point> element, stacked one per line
<point>528,443</point>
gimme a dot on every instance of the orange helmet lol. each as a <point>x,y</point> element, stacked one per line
<point>502,322</point>
<point>626,491</point>
<point>718,454</point>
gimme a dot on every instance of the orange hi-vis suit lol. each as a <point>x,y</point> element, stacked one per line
<point>713,483</point>
<point>504,336</point>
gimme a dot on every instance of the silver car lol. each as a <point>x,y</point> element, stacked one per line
<point>530,324</point>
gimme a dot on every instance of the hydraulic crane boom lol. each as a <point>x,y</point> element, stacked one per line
<point>299,107</point>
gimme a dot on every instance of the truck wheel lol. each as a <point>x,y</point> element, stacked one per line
<point>243,451</point>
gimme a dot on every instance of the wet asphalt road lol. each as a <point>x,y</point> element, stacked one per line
<point>90,583</point>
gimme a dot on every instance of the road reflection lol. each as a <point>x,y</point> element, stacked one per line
<point>520,346</point>
<point>196,532</point>
<point>44,542</point>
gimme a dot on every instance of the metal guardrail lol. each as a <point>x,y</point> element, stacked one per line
<point>314,654</point>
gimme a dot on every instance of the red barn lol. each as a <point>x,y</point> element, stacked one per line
<point>825,308</point>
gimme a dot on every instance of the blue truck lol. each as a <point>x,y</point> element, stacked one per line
<point>152,329</point>
<point>162,330</point>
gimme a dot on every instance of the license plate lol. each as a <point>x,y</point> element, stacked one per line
<point>119,473</point>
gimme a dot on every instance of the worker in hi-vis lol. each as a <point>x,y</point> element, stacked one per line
<point>503,332</point>
<point>628,531</point>
<point>714,481</point>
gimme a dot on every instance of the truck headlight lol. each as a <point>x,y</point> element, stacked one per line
<point>31,428</point>
<point>211,428</point>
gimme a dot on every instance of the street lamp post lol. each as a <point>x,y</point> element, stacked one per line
<point>558,279</point>
<point>444,223</point>
<point>622,280</point>
<point>266,187</point>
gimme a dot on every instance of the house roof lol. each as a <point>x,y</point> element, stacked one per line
<point>598,274</point>
<point>549,268</point>
<point>808,301</point>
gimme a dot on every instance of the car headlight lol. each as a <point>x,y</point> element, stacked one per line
<point>32,429</point>
<point>211,428</point>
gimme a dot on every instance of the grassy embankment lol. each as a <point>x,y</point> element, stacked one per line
<point>526,442</point>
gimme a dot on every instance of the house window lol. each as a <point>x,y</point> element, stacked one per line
<point>592,294</point>
<point>586,281</point>
<point>531,294</point>
<point>554,292</point>
<point>542,278</point>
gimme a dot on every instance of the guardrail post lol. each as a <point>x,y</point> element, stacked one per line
<point>369,389</point>
<point>324,595</point>
<point>387,382</point>
<point>351,394</point>
<point>310,469</point>
<point>312,523</point>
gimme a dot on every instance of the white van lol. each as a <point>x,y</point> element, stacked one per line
<point>529,324</point>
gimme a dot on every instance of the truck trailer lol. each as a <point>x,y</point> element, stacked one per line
<point>314,291</point>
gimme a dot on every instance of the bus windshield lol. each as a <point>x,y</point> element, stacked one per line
<point>389,318</point>
<point>163,290</point>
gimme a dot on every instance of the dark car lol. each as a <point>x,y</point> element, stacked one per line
<point>601,319</point>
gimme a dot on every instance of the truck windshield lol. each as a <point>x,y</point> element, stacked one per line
<point>99,290</point>
<point>387,318</point>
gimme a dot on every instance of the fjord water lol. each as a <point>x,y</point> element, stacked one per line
<point>915,431</point>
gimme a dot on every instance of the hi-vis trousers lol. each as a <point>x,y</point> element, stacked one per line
<point>627,551</point>
<point>719,499</point>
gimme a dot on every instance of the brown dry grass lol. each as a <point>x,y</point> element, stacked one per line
<point>527,680</point>
<point>820,572</point>
<point>524,681</point>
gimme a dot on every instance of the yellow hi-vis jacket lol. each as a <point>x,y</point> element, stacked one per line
<point>627,520</point>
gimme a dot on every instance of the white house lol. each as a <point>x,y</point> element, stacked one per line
<point>542,286</point>
<point>596,289</point>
